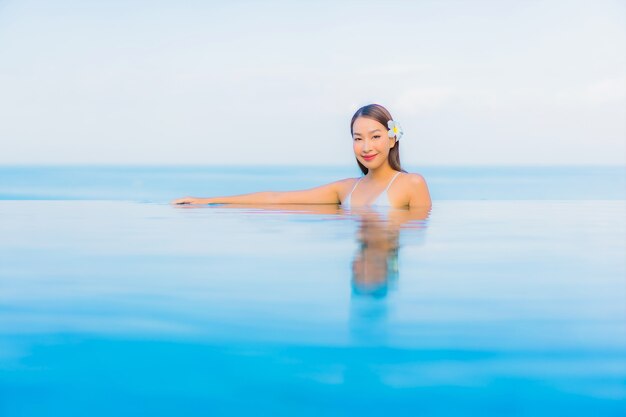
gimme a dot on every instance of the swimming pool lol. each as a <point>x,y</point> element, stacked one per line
<point>484,306</point>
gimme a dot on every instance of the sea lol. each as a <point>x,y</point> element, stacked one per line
<point>506,298</point>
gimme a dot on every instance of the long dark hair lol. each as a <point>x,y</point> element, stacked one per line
<point>382,116</point>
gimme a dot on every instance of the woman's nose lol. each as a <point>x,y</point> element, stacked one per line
<point>366,145</point>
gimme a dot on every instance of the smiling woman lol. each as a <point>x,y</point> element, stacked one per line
<point>384,183</point>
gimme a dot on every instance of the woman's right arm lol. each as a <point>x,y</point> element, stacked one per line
<point>324,194</point>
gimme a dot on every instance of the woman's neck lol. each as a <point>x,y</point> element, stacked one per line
<point>381,174</point>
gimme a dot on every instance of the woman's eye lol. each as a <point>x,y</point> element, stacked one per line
<point>376,137</point>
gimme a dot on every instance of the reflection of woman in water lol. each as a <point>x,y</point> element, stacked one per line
<point>375,265</point>
<point>375,142</point>
<point>375,269</point>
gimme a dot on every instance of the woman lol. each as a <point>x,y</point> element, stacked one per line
<point>377,151</point>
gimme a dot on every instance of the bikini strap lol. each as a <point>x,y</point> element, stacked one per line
<point>355,184</point>
<point>389,185</point>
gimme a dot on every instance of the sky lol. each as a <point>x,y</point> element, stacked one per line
<point>535,82</point>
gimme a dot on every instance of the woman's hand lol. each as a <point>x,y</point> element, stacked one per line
<point>189,200</point>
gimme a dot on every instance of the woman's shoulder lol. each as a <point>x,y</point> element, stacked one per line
<point>413,178</point>
<point>347,181</point>
<point>416,188</point>
<point>345,185</point>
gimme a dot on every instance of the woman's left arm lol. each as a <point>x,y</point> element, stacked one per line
<point>419,195</point>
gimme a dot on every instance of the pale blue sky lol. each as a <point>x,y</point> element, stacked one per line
<point>242,82</point>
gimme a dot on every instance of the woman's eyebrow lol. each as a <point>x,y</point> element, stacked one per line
<point>371,131</point>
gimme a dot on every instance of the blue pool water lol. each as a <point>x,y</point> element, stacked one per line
<point>508,298</point>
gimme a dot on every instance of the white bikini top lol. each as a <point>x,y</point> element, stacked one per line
<point>381,201</point>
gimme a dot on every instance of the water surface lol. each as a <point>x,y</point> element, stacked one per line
<point>478,307</point>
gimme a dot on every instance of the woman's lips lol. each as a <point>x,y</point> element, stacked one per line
<point>370,157</point>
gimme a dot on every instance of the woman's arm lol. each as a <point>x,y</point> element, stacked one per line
<point>324,194</point>
<point>420,197</point>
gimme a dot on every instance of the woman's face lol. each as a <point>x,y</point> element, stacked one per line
<point>371,142</point>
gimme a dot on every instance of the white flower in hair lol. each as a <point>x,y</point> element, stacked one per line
<point>395,130</point>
